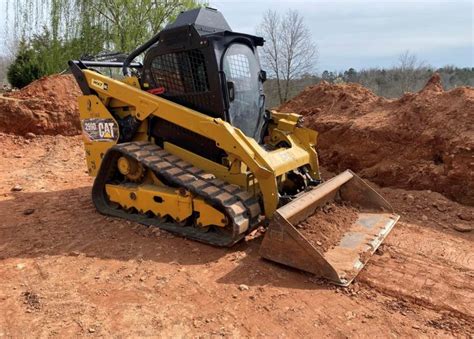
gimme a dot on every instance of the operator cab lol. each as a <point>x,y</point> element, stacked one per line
<point>198,62</point>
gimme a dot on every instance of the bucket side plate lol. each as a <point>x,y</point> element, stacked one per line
<point>283,243</point>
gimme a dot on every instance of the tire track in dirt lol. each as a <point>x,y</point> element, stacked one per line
<point>429,270</point>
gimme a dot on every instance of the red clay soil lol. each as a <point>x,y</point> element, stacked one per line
<point>327,226</point>
<point>68,271</point>
<point>46,106</point>
<point>423,140</point>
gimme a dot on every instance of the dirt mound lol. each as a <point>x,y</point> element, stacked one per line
<point>326,227</point>
<point>46,106</point>
<point>433,84</point>
<point>327,98</point>
<point>423,140</point>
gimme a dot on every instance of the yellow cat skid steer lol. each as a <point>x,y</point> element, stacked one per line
<point>184,143</point>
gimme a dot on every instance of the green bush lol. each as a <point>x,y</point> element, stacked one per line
<point>43,54</point>
<point>25,68</point>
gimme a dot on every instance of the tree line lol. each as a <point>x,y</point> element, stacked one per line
<point>385,82</point>
<point>45,34</point>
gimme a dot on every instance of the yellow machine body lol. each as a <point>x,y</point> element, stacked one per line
<point>250,166</point>
<point>250,169</point>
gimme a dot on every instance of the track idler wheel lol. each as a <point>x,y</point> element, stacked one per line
<point>130,168</point>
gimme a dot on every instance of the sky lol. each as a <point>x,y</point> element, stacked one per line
<point>363,34</point>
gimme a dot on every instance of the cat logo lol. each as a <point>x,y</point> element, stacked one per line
<point>106,130</point>
<point>100,129</point>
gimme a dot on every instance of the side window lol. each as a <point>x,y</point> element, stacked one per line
<point>242,71</point>
<point>181,73</point>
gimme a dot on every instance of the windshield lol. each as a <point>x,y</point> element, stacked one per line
<point>242,71</point>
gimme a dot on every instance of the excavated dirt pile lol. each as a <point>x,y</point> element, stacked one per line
<point>423,140</point>
<point>46,106</point>
<point>326,227</point>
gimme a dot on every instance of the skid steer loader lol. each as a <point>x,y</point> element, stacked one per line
<point>183,142</point>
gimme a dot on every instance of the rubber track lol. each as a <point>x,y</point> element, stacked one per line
<point>241,208</point>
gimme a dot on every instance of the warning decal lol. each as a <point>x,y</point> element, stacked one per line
<point>100,84</point>
<point>100,129</point>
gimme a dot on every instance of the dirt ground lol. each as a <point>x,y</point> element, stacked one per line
<point>67,271</point>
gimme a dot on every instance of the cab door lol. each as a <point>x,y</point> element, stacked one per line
<point>244,89</point>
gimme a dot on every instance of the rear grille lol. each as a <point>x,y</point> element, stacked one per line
<point>181,73</point>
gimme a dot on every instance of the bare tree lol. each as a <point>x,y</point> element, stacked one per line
<point>289,51</point>
<point>408,66</point>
